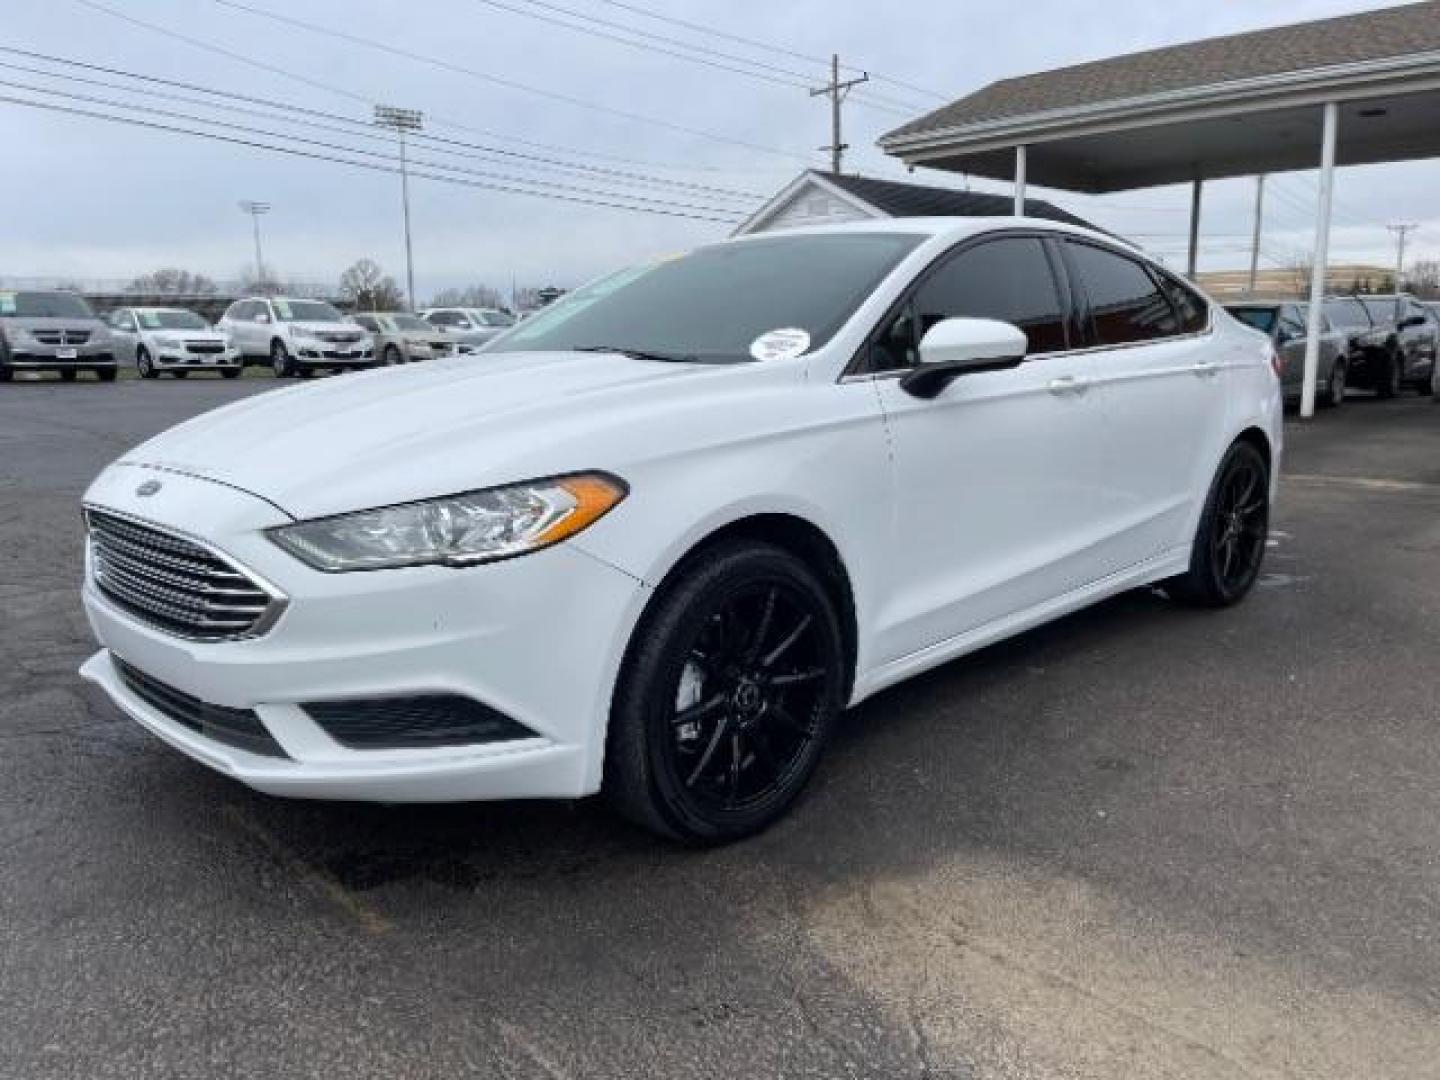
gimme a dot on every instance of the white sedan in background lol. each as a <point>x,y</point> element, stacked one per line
<point>172,341</point>
<point>681,519</point>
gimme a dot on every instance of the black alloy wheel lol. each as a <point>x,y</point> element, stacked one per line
<point>1229,544</point>
<point>728,696</point>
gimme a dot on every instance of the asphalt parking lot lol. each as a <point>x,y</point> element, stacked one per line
<point>1143,842</point>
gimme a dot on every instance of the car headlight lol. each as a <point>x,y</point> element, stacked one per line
<point>457,530</point>
<point>15,335</point>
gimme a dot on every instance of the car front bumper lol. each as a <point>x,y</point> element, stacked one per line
<point>43,359</point>
<point>536,638</point>
<point>183,358</point>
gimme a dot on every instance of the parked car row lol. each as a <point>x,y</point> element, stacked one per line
<point>58,331</point>
<point>1379,343</point>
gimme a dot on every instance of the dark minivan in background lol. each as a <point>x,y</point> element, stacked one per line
<point>43,330</point>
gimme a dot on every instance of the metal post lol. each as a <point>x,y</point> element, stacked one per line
<point>1321,260</point>
<point>1192,262</point>
<point>255,209</point>
<point>1020,181</point>
<point>1255,240</point>
<point>409,253</point>
<point>837,92</point>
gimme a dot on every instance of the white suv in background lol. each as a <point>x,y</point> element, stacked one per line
<point>473,326</point>
<point>298,336</point>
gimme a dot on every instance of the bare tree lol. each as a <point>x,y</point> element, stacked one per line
<point>475,296</point>
<point>172,281</point>
<point>369,288</point>
<point>1424,278</point>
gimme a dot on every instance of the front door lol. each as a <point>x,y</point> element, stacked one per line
<point>993,507</point>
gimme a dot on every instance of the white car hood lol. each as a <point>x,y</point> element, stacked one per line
<point>404,433</point>
<point>328,328</point>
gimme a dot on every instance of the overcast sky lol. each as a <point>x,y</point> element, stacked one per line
<point>88,199</point>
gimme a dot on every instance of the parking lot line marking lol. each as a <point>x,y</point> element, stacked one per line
<point>1368,483</point>
<point>370,920</point>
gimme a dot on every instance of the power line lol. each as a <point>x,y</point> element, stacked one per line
<point>473,73</point>
<point>369,102</point>
<point>442,145</point>
<point>779,75</point>
<point>779,49</point>
<point>591,199</point>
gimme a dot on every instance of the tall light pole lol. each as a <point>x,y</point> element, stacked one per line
<point>255,209</point>
<point>403,121</point>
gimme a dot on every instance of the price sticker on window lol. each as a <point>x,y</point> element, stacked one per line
<point>783,344</point>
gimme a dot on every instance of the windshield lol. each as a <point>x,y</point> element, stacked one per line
<point>171,320</point>
<point>495,318</point>
<point>44,305</point>
<point>306,311</point>
<point>409,322</point>
<point>1348,313</point>
<point>715,303</point>
<point>1261,318</point>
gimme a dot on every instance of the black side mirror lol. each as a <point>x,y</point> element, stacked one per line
<point>1409,321</point>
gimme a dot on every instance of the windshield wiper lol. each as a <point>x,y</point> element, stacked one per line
<point>634,354</point>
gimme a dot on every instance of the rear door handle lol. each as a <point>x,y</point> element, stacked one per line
<point>1205,367</point>
<point>1067,384</point>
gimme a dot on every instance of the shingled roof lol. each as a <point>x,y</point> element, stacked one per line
<point>1368,36</point>
<point>899,199</point>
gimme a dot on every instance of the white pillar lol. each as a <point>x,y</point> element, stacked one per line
<point>1321,259</point>
<point>1192,263</point>
<point>1020,181</point>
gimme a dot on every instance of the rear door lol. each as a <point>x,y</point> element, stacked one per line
<point>996,478</point>
<point>1159,380</point>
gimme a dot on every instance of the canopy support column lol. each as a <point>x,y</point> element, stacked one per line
<point>1195,188</point>
<point>1321,259</point>
<point>1020,180</point>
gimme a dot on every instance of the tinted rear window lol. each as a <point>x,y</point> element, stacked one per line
<point>1261,318</point>
<point>1125,302</point>
<point>44,305</point>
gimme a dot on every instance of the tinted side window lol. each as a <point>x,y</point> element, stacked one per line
<point>1190,306</point>
<point>1009,280</point>
<point>1125,302</point>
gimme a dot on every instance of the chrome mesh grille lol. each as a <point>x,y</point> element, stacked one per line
<point>174,584</point>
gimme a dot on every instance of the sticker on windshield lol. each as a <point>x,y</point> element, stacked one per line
<point>7,303</point>
<point>780,344</point>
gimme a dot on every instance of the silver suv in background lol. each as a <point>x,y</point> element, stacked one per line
<point>400,338</point>
<point>298,337</point>
<point>473,326</point>
<point>52,331</point>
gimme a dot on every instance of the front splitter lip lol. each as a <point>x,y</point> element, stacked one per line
<point>535,768</point>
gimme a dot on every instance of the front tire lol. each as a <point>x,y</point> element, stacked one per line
<point>1389,383</point>
<point>392,356</point>
<point>107,374</point>
<point>230,372</point>
<point>727,697</point>
<point>280,362</point>
<point>144,364</point>
<point>1229,543</point>
<point>1335,387</point>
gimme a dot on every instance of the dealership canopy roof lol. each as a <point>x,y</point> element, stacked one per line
<point>1230,106</point>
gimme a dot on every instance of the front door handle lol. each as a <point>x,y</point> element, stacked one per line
<point>1067,384</point>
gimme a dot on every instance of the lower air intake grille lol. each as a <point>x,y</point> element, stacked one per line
<point>408,723</point>
<point>239,728</point>
<point>175,584</point>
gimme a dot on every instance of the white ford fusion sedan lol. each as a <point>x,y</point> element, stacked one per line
<point>672,525</point>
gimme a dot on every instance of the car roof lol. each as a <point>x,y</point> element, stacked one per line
<point>950,228</point>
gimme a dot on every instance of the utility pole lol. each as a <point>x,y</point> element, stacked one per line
<point>403,121</point>
<point>837,92</point>
<point>255,209</point>
<point>1400,229</point>
<point>1255,240</point>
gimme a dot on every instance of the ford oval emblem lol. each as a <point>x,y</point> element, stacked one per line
<point>148,488</point>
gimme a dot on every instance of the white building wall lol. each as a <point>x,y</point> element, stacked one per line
<point>812,206</point>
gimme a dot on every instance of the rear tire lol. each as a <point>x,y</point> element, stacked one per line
<point>305,371</point>
<point>230,373</point>
<point>1335,387</point>
<point>107,374</point>
<point>729,690</point>
<point>69,374</point>
<point>180,373</point>
<point>1229,543</point>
